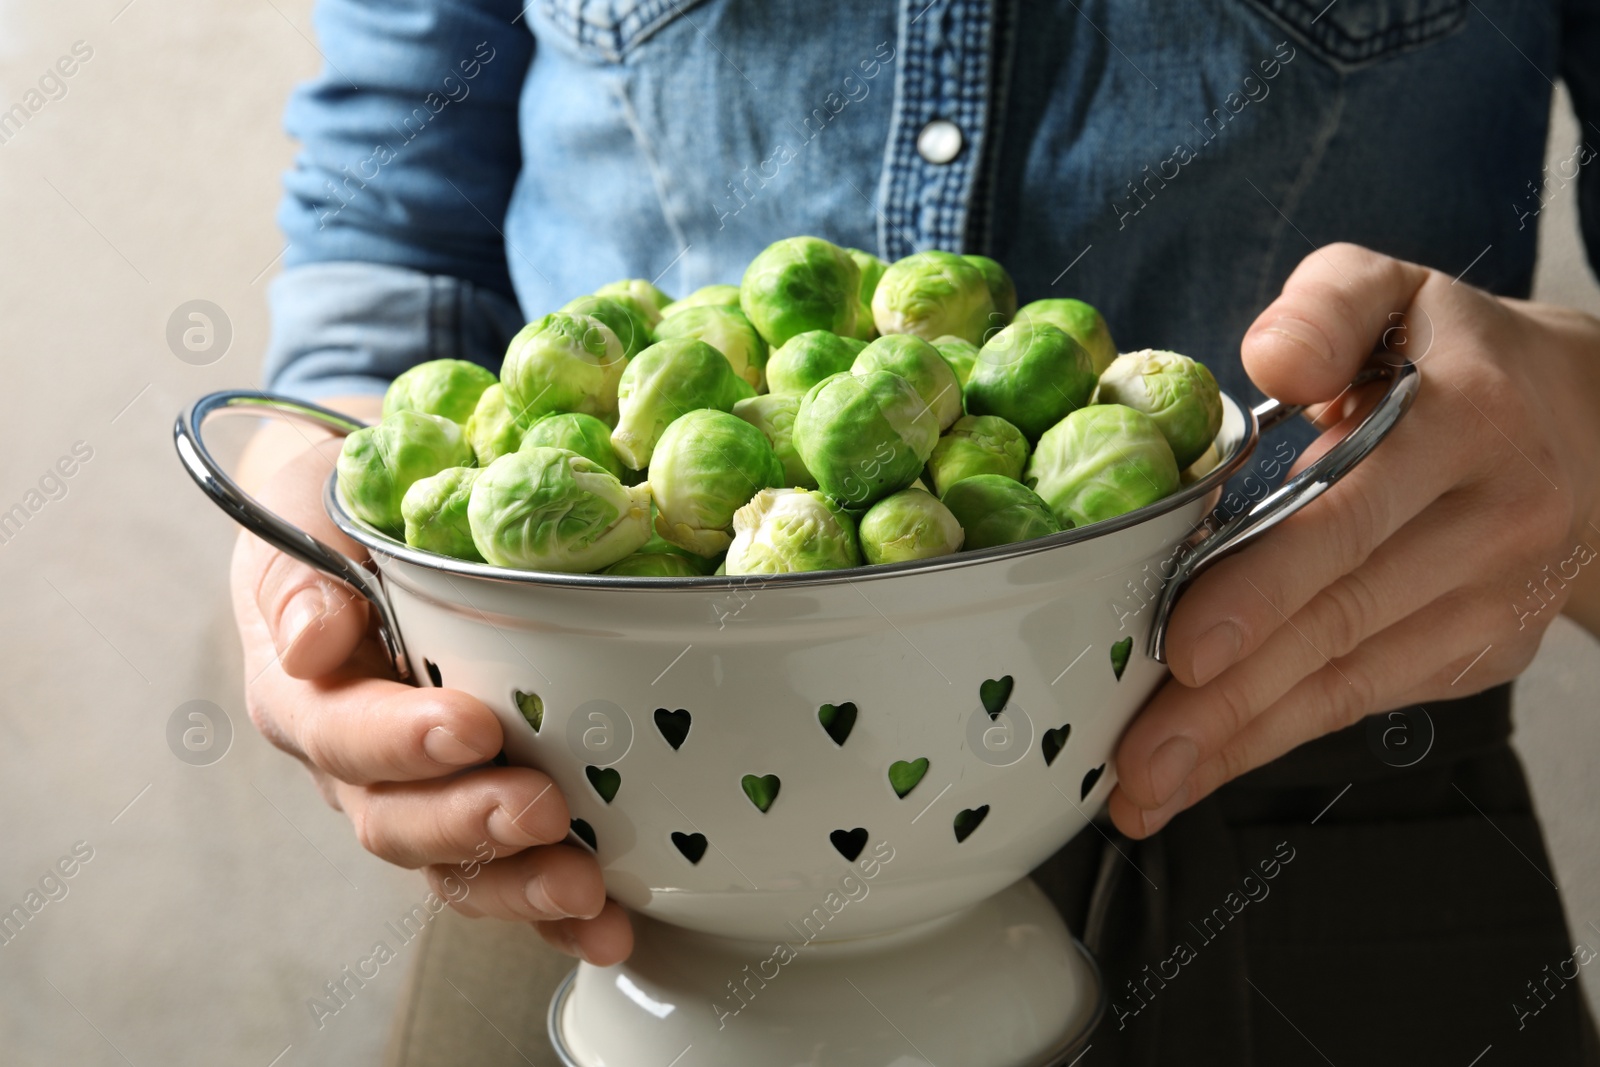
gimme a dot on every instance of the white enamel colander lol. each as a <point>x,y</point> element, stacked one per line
<point>820,794</point>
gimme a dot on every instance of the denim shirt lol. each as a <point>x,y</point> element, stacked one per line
<point>468,165</point>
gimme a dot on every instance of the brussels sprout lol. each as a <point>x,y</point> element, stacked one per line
<point>786,530</point>
<point>548,509</point>
<point>961,355</point>
<point>654,565</point>
<point>910,524</point>
<point>649,299</point>
<point>666,380</point>
<point>1178,393</point>
<point>1100,462</point>
<point>977,444</point>
<point>563,363</point>
<point>1002,290</point>
<point>707,466</point>
<point>495,428</point>
<point>919,363</point>
<point>864,436</point>
<point>435,513</point>
<point>583,434</point>
<point>932,294</point>
<point>377,464</point>
<point>1078,321</point>
<point>726,330</point>
<point>447,387</point>
<point>660,546</point>
<point>807,358</point>
<point>726,296</point>
<point>622,317</point>
<point>871,268</point>
<point>996,510</point>
<point>774,416</point>
<point>800,284</point>
<point>1030,374</point>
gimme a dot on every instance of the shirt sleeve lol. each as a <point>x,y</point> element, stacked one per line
<point>1580,69</point>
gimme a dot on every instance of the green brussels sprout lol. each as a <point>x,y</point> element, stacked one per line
<point>782,531</point>
<point>800,284</point>
<point>932,294</point>
<point>447,387</point>
<point>919,363</point>
<point>547,509</point>
<point>660,546</point>
<point>872,269</point>
<point>774,416</point>
<point>563,363</point>
<point>977,444</point>
<point>666,380</point>
<point>1100,462</point>
<point>495,428</point>
<point>728,331</point>
<point>706,467</point>
<point>864,436</point>
<point>575,432</point>
<point>961,355</point>
<point>645,295</point>
<point>996,510</point>
<point>377,464</point>
<point>654,565</point>
<point>726,296</point>
<point>622,317</point>
<point>807,358</point>
<point>1178,393</point>
<point>1032,375</point>
<point>435,513</point>
<point>910,524</point>
<point>1002,290</point>
<point>1078,321</point>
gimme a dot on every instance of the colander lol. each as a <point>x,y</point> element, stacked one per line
<point>819,794</point>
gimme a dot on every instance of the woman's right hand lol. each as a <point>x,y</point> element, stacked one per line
<point>409,766</point>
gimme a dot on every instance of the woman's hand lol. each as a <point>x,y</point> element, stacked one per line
<point>1430,572</point>
<point>407,765</point>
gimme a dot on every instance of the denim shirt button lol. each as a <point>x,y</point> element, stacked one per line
<point>940,141</point>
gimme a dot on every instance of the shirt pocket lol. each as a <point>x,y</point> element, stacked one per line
<point>604,30</point>
<point>1351,33</point>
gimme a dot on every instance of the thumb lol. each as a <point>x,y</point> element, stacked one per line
<point>314,622</point>
<point>1334,310</point>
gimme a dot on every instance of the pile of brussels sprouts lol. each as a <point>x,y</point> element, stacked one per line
<point>830,410</point>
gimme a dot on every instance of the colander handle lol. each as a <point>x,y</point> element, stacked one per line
<point>1212,543</point>
<point>248,512</point>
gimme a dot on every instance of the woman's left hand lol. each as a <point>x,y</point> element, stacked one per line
<point>1429,572</point>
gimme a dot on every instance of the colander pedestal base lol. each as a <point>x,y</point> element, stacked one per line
<point>999,984</point>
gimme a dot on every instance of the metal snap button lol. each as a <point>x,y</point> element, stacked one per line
<point>940,141</point>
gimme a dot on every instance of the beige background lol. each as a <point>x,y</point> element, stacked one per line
<point>225,896</point>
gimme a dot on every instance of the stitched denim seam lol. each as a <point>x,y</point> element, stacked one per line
<point>1340,45</point>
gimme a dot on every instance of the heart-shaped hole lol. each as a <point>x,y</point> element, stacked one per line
<point>762,790</point>
<point>693,846</point>
<point>433,673</point>
<point>995,693</point>
<point>531,706</point>
<point>1089,781</point>
<point>674,726</point>
<point>838,720</point>
<point>1119,656</point>
<point>605,780</point>
<point>905,774</point>
<point>585,833</point>
<point>849,842</point>
<point>967,820</point>
<point>1054,741</point>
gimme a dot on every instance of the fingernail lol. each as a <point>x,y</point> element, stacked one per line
<point>1155,820</point>
<point>505,831</point>
<point>1304,335</point>
<point>304,609</point>
<point>539,897</point>
<point>1215,651</point>
<point>1170,765</point>
<point>444,747</point>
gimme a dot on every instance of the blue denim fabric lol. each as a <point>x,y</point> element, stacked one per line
<point>467,165</point>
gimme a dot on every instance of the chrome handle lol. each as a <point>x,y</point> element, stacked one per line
<point>245,510</point>
<point>1210,544</point>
